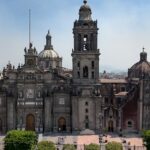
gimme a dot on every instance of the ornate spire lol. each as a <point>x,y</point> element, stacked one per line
<point>85,12</point>
<point>143,55</point>
<point>48,41</point>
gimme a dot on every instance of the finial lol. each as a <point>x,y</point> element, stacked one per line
<point>48,33</point>
<point>143,49</point>
<point>85,1</point>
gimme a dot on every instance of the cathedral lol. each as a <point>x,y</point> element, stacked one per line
<point>43,96</point>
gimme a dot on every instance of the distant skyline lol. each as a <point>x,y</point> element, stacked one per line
<point>124,29</point>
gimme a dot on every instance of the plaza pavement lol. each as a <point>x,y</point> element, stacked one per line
<point>133,139</point>
<point>81,140</point>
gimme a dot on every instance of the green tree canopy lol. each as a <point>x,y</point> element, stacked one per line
<point>92,147</point>
<point>69,147</point>
<point>146,138</point>
<point>114,146</point>
<point>20,140</point>
<point>46,145</point>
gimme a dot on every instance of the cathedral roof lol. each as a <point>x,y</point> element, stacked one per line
<point>113,81</point>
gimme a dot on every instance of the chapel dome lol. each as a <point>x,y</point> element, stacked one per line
<point>141,68</point>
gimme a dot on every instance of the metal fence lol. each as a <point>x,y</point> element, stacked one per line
<point>82,147</point>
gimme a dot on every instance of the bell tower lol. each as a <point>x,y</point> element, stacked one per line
<point>85,55</point>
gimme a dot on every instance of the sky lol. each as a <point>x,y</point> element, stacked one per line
<point>124,29</point>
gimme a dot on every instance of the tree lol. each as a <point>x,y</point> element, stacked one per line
<point>69,147</point>
<point>92,147</point>
<point>46,145</point>
<point>146,138</point>
<point>114,146</point>
<point>20,140</point>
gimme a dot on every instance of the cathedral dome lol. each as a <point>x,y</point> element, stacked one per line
<point>141,68</point>
<point>85,12</point>
<point>49,53</point>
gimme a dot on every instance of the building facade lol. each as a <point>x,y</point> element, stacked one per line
<point>43,96</point>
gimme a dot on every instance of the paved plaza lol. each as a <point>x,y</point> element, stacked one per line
<point>131,139</point>
<point>81,140</point>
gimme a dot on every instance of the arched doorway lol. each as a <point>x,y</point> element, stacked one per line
<point>61,124</point>
<point>0,126</point>
<point>30,122</point>
<point>110,126</point>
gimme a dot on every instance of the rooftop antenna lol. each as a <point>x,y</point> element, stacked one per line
<point>29,28</point>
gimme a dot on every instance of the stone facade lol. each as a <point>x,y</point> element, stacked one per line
<point>43,96</point>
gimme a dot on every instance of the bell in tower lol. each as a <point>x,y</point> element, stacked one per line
<point>85,55</point>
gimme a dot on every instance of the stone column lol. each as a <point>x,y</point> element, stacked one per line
<point>75,123</point>
<point>120,119</point>
<point>11,120</point>
<point>140,105</point>
<point>47,114</point>
<point>98,111</point>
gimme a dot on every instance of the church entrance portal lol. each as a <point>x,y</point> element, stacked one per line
<point>30,122</point>
<point>61,124</point>
<point>110,126</point>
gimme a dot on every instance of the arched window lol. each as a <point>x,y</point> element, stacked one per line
<point>85,43</point>
<point>86,110</point>
<point>78,74</point>
<point>92,74</point>
<point>78,65</point>
<point>46,64</point>
<point>86,103</point>
<point>85,72</point>
<point>130,124</point>
<point>92,64</point>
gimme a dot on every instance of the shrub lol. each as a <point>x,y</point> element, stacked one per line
<point>146,138</point>
<point>69,147</point>
<point>114,146</point>
<point>46,145</point>
<point>92,147</point>
<point>20,140</point>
